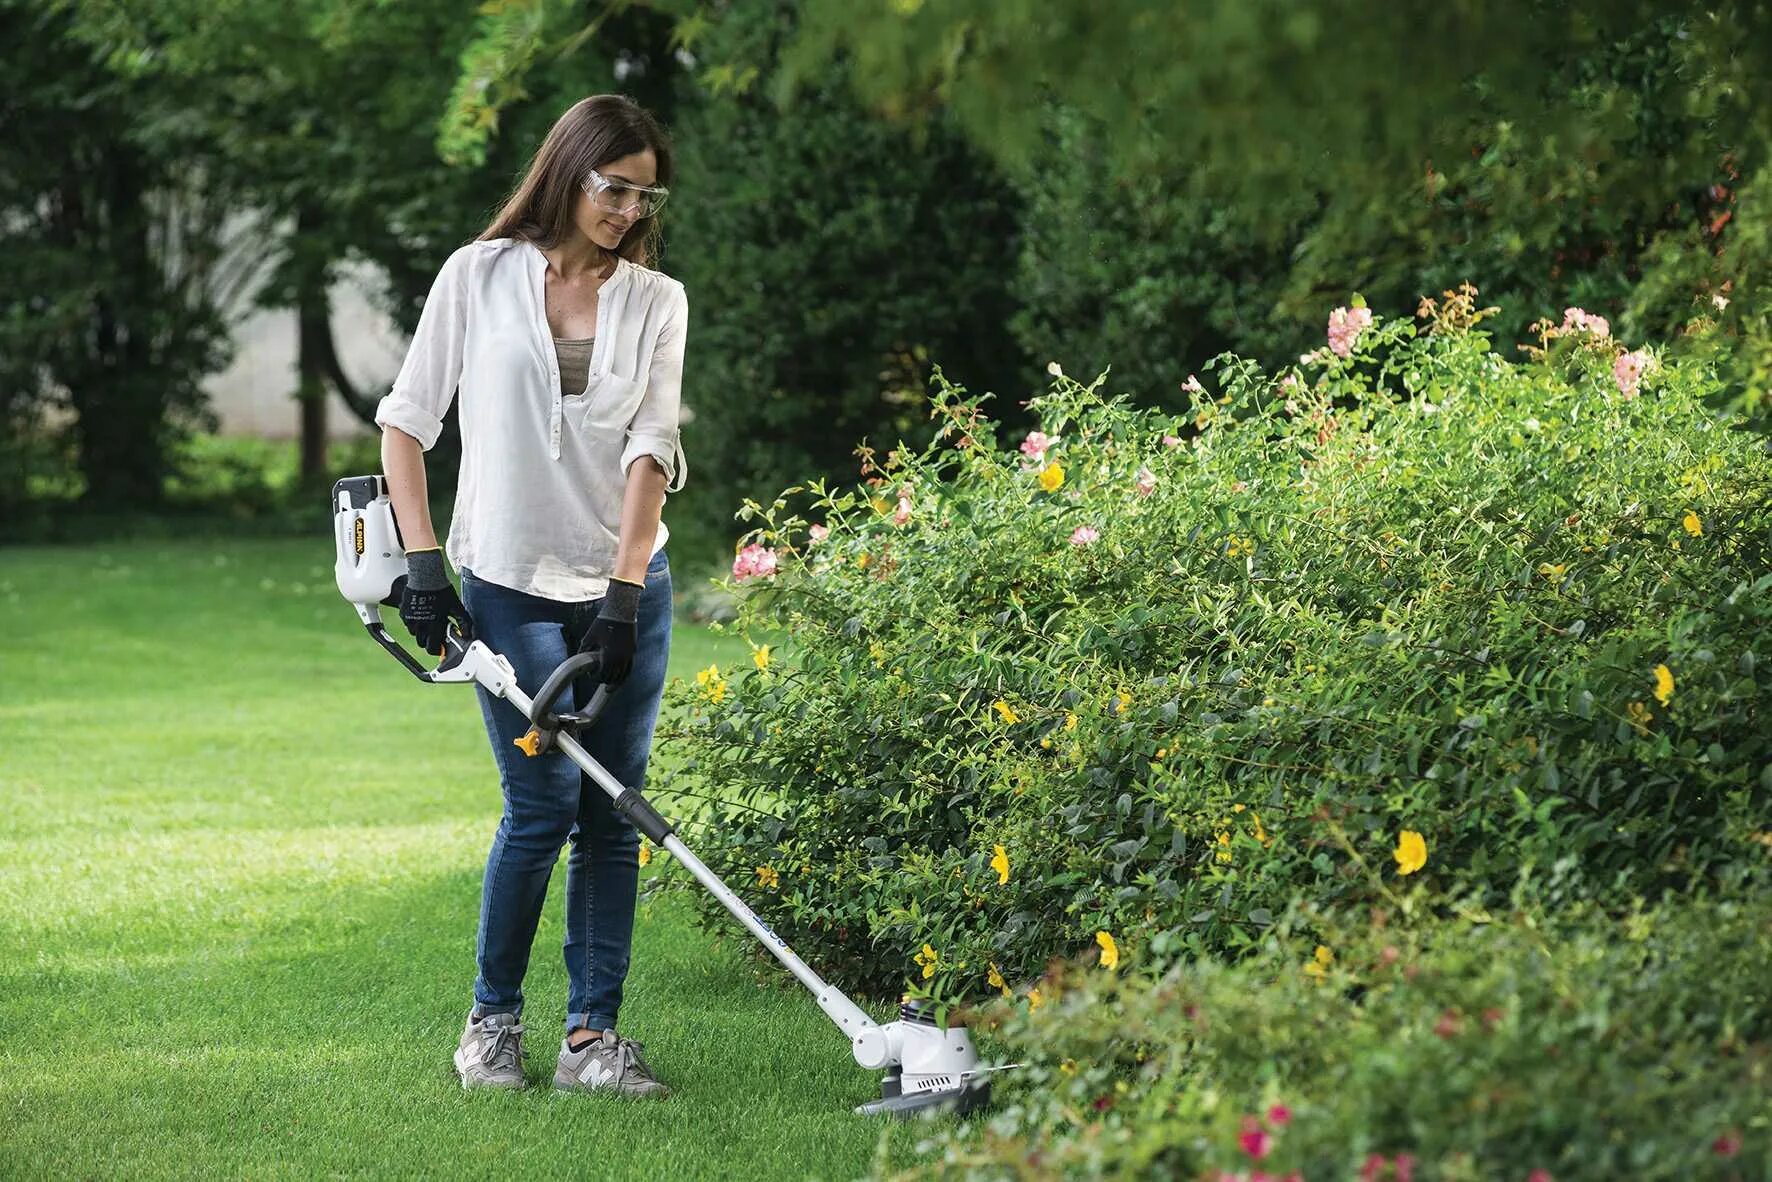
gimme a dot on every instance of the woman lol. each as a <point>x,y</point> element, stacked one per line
<point>568,352</point>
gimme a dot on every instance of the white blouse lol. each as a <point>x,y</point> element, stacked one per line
<point>543,473</point>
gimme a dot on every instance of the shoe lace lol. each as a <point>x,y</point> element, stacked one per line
<point>503,1045</point>
<point>629,1058</point>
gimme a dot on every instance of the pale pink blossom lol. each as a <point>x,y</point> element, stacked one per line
<point>1345,326</point>
<point>1192,385</point>
<point>753,562</point>
<point>1171,441</point>
<point>1035,445</point>
<point>1084,535</point>
<point>819,533</point>
<point>904,511</point>
<point>1627,371</point>
<point>1579,320</point>
<point>1146,483</point>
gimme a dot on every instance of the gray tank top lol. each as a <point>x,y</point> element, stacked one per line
<point>575,363</point>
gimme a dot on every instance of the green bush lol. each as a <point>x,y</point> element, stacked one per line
<point>1517,609</point>
<point>1484,1048</point>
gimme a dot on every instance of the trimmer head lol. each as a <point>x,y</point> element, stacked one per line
<point>936,1071</point>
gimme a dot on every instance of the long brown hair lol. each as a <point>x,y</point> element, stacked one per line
<point>592,132</point>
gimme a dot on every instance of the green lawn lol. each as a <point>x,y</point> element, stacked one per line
<point>240,866</point>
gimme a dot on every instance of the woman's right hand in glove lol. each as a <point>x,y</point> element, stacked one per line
<point>428,602</point>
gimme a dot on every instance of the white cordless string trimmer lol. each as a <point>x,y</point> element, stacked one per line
<point>927,1067</point>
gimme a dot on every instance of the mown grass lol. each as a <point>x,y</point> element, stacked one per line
<point>240,866</point>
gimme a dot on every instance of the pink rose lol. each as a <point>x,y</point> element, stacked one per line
<point>1146,483</point>
<point>1192,385</point>
<point>1171,441</point>
<point>1278,1115</point>
<point>1084,535</point>
<point>1345,325</point>
<point>819,533</point>
<point>904,511</point>
<point>1035,445</point>
<point>1627,371</point>
<point>753,561</point>
<point>1577,320</point>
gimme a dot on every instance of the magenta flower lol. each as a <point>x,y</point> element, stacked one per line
<point>1404,1165</point>
<point>1727,1145</point>
<point>1578,320</point>
<point>1146,483</point>
<point>1256,1141</point>
<point>1084,535</point>
<point>1345,326</point>
<point>1278,1115</point>
<point>1540,1175</point>
<point>753,561</point>
<point>1627,371</point>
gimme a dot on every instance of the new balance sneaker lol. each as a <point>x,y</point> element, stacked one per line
<point>609,1063</point>
<point>491,1052</point>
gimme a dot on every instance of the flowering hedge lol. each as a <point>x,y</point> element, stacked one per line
<point>1488,1047</point>
<point>1133,683</point>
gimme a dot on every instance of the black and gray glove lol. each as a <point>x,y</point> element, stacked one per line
<point>428,602</point>
<point>614,633</point>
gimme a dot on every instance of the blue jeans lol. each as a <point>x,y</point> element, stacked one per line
<point>548,801</point>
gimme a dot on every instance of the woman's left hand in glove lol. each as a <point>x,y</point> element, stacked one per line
<point>614,634</point>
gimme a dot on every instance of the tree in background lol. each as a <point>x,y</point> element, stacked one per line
<point>832,259</point>
<point>1594,136</point>
<point>109,226</point>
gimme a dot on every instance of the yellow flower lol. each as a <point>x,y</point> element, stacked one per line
<point>1006,710</point>
<point>1238,547</point>
<point>1318,964</point>
<point>767,876</point>
<point>1552,570</point>
<point>1411,852</point>
<point>1125,700</point>
<point>1639,716</point>
<point>995,979</point>
<point>711,682</point>
<point>1000,863</point>
<point>1693,526</point>
<point>1664,684</point>
<point>1237,808</point>
<point>1260,833</point>
<point>1070,721</point>
<point>1069,1067</point>
<point>1110,952</point>
<point>645,852</point>
<point>1224,854</point>
<point>927,958</point>
<point>877,651</point>
<point>1034,999</point>
<point>880,505</point>
<point>1052,476</point>
<point>862,560</point>
<point>761,656</point>
<point>1045,742</point>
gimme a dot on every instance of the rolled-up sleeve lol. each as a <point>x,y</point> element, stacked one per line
<point>426,384</point>
<point>654,430</point>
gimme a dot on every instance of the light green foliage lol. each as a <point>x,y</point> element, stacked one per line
<point>1481,1047</point>
<point>1420,587</point>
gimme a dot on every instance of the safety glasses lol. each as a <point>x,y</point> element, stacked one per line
<point>614,196</point>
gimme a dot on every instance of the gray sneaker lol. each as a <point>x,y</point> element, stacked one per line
<point>610,1063</point>
<point>491,1052</point>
